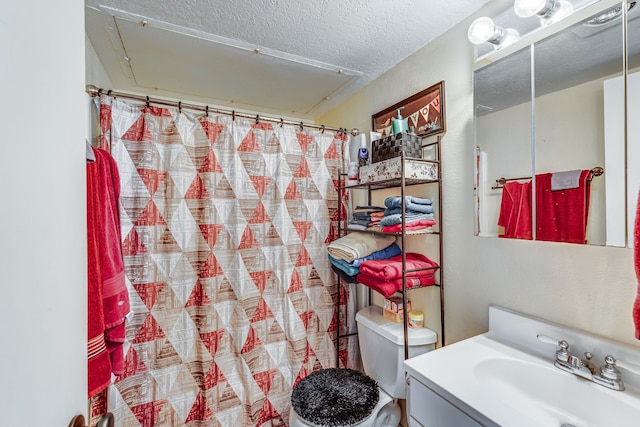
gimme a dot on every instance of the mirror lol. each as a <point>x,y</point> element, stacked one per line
<point>574,125</point>
<point>502,95</point>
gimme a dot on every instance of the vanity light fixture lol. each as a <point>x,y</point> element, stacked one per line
<point>609,15</point>
<point>485,30</point>
<point>549,11</point>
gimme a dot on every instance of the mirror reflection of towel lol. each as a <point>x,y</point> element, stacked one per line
<point>515,210</point>
<point>565,180</point>
<point>561,216</point>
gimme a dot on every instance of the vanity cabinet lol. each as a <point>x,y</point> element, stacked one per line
<point>398,174</point>
<point>426,408</point>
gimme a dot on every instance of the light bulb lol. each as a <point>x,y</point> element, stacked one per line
<point>484,30</point>
<point>549,11</point>
<point>561,10</point>
<point>527,8</point>
<point>481,30</point>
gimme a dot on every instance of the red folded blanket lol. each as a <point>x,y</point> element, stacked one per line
<point>388,269</point>
<point>389,287</point>
<point>409,225</point>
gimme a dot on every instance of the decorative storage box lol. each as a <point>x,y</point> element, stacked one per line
<point>392,308</point>
<point>391,146</point>
<point>392,168</point>
<point>392,315</point>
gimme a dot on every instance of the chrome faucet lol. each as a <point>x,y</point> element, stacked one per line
<point>571,363</point>
<point>608,375</point>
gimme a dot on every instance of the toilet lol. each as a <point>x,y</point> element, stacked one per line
<point>382,351</point>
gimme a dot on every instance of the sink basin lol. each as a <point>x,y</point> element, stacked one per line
<point>506,377</point>
<point>555,397</point>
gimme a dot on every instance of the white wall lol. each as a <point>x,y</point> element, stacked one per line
<point>588,287</point>
<point>43,335</point>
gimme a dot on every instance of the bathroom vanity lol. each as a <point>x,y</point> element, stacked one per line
<point>519,373</point>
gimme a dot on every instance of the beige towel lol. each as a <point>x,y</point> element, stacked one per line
<point>358,245</point>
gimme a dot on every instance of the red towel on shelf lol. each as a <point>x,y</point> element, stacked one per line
<point>389,269</point>
<point>419,224</point>
<point>515,210</point>
<point>636,261</point>
<point>390,287</point>
<point>108,297</point>
<point>561,216</point>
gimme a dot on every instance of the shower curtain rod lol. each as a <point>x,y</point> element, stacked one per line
<point>94,91</point>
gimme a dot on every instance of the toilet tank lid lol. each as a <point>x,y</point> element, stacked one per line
<point>372,318</point>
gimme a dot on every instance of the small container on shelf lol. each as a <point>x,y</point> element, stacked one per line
<point>416,319</point>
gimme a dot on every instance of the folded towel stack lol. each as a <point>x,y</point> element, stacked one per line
<point>349,252</point>
<point>385,276</point>
<point>362,217</point>
<point>418,214</point>
<point>358,245</point>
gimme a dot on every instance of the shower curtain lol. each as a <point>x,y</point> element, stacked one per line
<point>224,224</point>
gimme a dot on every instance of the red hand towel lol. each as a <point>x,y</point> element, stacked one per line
<point>636,261</point>
<point>515,210</point>
<point>561,216</point>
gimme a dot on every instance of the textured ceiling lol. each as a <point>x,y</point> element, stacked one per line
<point>287,57</point>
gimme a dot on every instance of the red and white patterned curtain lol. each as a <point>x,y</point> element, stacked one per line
<point>224,225</point>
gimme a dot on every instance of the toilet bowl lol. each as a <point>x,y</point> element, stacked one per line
<point>382,350</point>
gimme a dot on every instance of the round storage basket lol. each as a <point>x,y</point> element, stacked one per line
<point>335,397</point>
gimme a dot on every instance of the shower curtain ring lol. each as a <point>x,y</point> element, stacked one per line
<point>147,101</point>
<point>301,126</point>
<point>206,111</point>
<point>179,106</point>
<point>257,118</point>
<point>109,92</point>
<point>281,122</point>
<point>322,129</point>
<point>233,115</point>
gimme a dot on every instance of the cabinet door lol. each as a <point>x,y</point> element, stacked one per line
<point>427,409</point>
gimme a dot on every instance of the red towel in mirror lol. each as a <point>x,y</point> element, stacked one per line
<point>515,210</point>
<point>561,216</point>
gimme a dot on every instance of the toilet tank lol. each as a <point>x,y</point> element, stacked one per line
<point>382,348</point>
